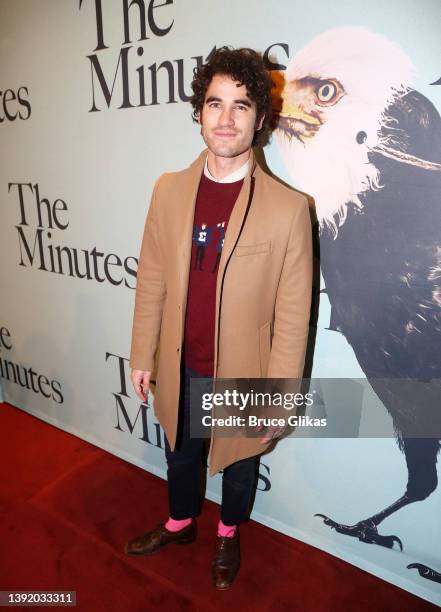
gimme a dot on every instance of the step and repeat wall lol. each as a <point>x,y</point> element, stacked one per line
<point>94,107</point>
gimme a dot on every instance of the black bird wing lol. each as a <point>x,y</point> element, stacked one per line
<point>383,271</point>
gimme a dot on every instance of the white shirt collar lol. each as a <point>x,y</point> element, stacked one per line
<point>237,175</point>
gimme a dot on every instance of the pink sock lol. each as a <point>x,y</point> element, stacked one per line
<point>177,525</point>
<point>226,531</point>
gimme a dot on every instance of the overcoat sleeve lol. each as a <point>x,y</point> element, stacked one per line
<point>293,300</point>
<point>150,294</point>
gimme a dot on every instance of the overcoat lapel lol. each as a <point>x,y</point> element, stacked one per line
<point>185,212</point>
<point>236,220</point>
<point>232,234</point>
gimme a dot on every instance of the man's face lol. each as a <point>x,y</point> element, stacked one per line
<point>228,117</point>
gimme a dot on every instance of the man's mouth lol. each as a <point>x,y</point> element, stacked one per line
<point>225,134</point>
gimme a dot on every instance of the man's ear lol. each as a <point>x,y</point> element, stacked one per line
<point>260,122</point>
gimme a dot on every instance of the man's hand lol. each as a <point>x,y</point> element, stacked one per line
<point>140,381</point>
<point>273,432</point>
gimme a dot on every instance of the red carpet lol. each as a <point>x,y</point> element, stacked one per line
<point>67,509</point>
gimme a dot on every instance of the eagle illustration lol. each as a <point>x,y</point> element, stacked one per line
<point>366,145</point>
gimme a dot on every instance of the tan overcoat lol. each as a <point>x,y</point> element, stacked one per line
<point>263,292</point>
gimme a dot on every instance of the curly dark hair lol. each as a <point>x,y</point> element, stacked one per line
<point>243,65</point>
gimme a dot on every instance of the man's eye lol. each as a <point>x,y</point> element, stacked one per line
<point>242,107</point>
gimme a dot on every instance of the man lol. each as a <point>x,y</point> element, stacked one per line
<point>241,315</point>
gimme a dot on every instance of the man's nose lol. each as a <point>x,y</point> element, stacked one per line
<point>227,117</point>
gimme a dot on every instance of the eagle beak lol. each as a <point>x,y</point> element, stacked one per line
<point>292,118</point>
<point>290,110</point>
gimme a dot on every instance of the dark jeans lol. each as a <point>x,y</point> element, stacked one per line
<point>239,479</point>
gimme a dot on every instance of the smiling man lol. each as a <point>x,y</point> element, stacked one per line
<point>223,290</point>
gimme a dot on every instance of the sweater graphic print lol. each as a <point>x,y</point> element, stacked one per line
<point>214,204</point>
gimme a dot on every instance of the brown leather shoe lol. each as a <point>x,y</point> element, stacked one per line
<point>152,541</point>
<point>226,561</point>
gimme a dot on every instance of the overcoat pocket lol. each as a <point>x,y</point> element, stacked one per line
<point>252,249</point>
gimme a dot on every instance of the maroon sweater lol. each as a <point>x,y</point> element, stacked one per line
<point>214,204</point>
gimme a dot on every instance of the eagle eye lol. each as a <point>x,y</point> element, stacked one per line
<point>326,92</point>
